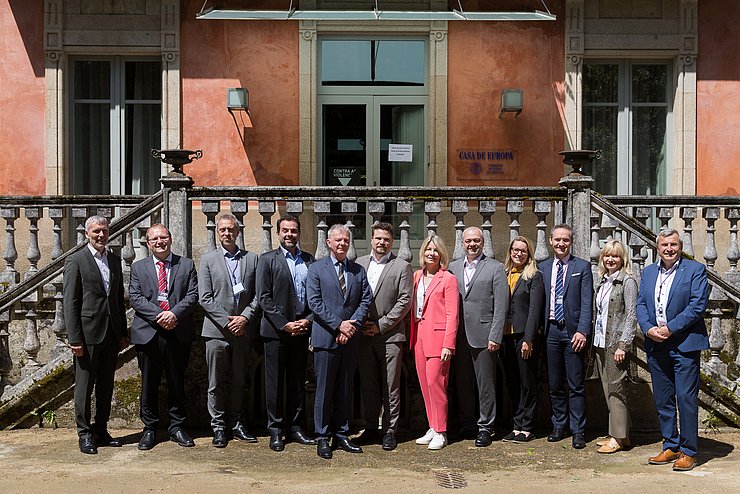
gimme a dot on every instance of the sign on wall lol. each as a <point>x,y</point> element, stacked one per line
<point>481,165</point>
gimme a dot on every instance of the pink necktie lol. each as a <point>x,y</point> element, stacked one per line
<point>162,283</point>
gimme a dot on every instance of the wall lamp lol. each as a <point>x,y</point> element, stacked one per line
<point>237,98</point>
<point>511,101</point>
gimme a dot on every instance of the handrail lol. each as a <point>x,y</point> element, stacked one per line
<point>631,224</point>
<point>674,201</point>
<point>55,268</point>
<point>70,201</point>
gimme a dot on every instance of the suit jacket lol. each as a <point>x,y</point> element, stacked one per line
<point>392,298</point>
<point>621,319</point>
<point>88,310</point>
<point>217,295</point>
<point>687,302</point>
<point>328,305</point>
<point>485,303</point>
<point>439,314</point>
<point>525,306</point>
<point>578,297</point>
<point>276,293</point>
<point>182,294</point>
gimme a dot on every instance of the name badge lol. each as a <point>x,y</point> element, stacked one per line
<point>238,288</point>
<point>162,297</point>
<point>418,312</point>
<point>559,300</point>
<point>598,326</point>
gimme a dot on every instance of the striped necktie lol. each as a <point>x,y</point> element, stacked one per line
<point>342,282</point>
<point>558,311</point>
<point>162,283</point>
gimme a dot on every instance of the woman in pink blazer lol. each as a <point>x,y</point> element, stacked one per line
<point>434,308</point>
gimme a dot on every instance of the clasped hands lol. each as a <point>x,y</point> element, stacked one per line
<point>167,319</point>
<point>237,324</point>
<point>298,327</point>
<point>659,333</point>
<point>347,330</point>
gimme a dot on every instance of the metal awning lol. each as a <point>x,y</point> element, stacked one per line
<point>370,15</point>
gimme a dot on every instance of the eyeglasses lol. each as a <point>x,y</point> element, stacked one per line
<point>157,239</point>
<point>519,251</point>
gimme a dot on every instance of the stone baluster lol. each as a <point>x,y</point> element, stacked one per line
<point>594,249</point>
<point>6,363</point>
<point>266,209</point>
<point>10,276</point>
<point>58,327</point>
<point>514,208</point>
<point>376,209</point>
<point>239,209</point>
<point>80,215</point>
<point>688,214</point>
<point>432,209</point>
<point>732,215</point>
<point>211,210</point>
<point>33,254</point>
<point>31,344</point>
<point>294,208</point>
<point>128,254</point>
<point>716,338</point>
<point>541,209</point>
<point>641,214</point>
<point>321,209</point>
<point>487,210</point>
<point>459,209</point>
<point>608,228</point>
<point>142,228</point>
<point>619,233</point>
<point>404,210</point>
<point>664,215</point>
<point>710,215</point>
<point>349,210</point>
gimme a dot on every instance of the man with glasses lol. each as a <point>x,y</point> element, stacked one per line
<point>163,292</point>
<point>226,286</point>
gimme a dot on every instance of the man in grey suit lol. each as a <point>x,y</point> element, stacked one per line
<point>163,292</point>
<point>484,296</point>
<point>96,330</point>
<point>339,297</point>
<point>383,334</point>
<point>226,286</point>
<point>286,320</point>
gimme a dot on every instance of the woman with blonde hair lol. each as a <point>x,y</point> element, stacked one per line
<point>616,321</point>
<point>520,336</point>
<point>434,310</point>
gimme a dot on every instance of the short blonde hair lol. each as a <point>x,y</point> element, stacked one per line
<point>614,247</point>
<point>444,256</point>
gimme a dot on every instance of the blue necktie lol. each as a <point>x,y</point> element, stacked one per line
<point>558,311</point>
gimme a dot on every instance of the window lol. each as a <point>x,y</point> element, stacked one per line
<point>116,108</point>
<point>625,115</point>
<point>376,62</point>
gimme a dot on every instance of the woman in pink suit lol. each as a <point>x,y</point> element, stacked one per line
<point>434,307</point>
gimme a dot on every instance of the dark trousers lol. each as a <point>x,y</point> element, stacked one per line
<point>285,383</point>
<point>566,377</point>
<point>380,375</point>
<point>95,369</point>
<point>465,385</point>
<point>675,376</point>
<point>521,380</point>
<point>335,370</point>
<point>163,353</point>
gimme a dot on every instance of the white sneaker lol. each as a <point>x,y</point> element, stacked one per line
<point>439,441</point>
<point>426,438</point>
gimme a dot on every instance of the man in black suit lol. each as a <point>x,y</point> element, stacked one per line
<point>163,292</point>
<point>96,330</point>
<point>339,296</point>
<point>286,320</point>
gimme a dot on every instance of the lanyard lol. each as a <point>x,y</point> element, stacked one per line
<point>232,271</point>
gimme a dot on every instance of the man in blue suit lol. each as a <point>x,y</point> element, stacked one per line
<point>339,296</point>
<point>568,284</point>
<point>670,310</point>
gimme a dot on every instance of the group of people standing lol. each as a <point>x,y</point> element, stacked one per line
<point>472,313</point>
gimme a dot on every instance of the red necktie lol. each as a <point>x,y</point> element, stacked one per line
<point>162,283</point>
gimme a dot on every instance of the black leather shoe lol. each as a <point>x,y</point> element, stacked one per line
<point>105,439</point>
<point>300,437</point>
<point>389,441</point>
<point>484,439</point>
<point>368,436</point>
<point>509,437</point>
<point>219,439</point>
<point>241,433</point>
<point>557,435</point>
<point>148,440</point>
<point>181,437</point>
<point>579,442</point>
<point>323,449</point>
<point>276,442</point>
<point>87,445</point>
<point>346,445</point>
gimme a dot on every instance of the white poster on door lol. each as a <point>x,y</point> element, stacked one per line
<point>400,152</point>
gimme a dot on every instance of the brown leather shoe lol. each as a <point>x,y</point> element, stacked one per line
<point>608,449</point>
<point>666,456</point>
<point>684,463</point>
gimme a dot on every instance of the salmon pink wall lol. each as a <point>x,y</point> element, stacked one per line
<point>486,57</point>
<point>22,98</point>
<point>262,57</point>
<point>718,99</point>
